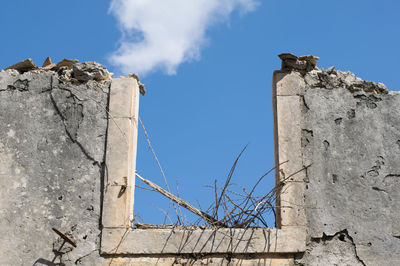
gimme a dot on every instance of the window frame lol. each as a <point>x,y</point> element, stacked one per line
<point>119,238</point>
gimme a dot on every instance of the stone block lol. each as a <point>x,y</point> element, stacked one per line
<point>123,94</point>
<point>292,170</point>
<point>202,241</point>
<point>121,152</point>
<point>120,136</point>
<point>288,83</point>
<point>212,261</point>
<point>116,206</point>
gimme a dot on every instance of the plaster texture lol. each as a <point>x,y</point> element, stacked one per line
<point>205,260</point>
<point>52,152</point>
<point>203,241</point>
<point>350,139</point>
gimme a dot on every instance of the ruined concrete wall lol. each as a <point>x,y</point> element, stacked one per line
<point>52,152</point>
<point>52,171</point>
<point>350,139</point>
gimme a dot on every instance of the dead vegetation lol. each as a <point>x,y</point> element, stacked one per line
<point>234,206</point>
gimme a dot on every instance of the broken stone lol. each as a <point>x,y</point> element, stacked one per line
<point>66,63</point>
<point>330,70</point>
<point>23,66</point>
<point>287,56</point>
<point>90,71</point>
<point>312,78</point>
<point>331,79</point>
<point>134,75</point>
<point>310,59</point>
<point>142,88</point>
<point>48,64</point>
<point>304,63</point>
<point>65,74</point>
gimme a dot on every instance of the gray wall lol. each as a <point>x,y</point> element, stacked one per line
<point>52,153</point>
<point>351,138</point>
<point>52,143</point>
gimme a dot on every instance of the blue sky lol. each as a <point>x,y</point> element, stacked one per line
<point>201,117</point>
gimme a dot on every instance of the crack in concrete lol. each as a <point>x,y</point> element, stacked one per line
<point>78,260</point>
<point>342,235</point>
<point>72,135</point>
<point>20,85</point>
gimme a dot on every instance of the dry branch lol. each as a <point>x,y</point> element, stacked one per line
<point>230,208</point>
<point>165,226</point>
<point>182,203</point>
<point>228,180</point>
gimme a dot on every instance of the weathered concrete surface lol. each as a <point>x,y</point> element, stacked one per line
<point>338,249</point>
<point>351,137</point>
<point>52,148</point>
<point>203,241</point>
<point>287,138</point>
<point>121,154</point>
<point>202,260</point>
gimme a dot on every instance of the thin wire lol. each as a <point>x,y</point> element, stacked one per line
<point>158,163</point>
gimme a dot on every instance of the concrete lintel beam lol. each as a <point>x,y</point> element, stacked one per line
<point>200,241</point>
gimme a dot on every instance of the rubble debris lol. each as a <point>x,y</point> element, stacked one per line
<point>142,88</point>
<point>331,78</point>
<point>66,63</point>
<point>48,64</point>
<point>65,74</point>
<point>302,63</point>
<point>70,70</point>
<point>24,66</point>
<point>90,71</point>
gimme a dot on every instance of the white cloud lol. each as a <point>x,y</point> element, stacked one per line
<point>161,34</point>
